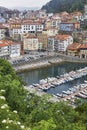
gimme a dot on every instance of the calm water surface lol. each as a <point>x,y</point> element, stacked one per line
<point>34,76</point>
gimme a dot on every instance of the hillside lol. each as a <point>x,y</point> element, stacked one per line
<point>65,5</point>
<point>3,9</point>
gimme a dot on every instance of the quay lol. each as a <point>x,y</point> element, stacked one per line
<point>33,62</point>
<point>37,64</point>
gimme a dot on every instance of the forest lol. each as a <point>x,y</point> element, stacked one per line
<point>56,6</point>
<point>21,110</point>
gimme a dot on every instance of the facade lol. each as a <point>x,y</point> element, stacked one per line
<point>77,16</point>
<point>30,43</point>
<point>69,26</point>
<point>73,49</point>
<point>83,51</point>
<point>4,51</point>
<point>15,49</point>
<point>17,30</point>
<point>62,41</point>
<point>51,43</point>
<point>31,27</point>
<point>3,30</point>
<point>53,23</point>
<point>9,49</point>
<point>43,41</point>
<point>77,49</point>
<point>59,42</point>
<point>50,31</point>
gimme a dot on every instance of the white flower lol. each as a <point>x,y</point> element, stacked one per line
<point>7,127</point>
<point>4,106</point>
<point>2,90</point>
<point>4,121</point>
<point>2,97</point>
<point>15,111</point>
<point>22,126</point>
<point>10,121</point>
<point>18,123</point>
<point>7,110</point>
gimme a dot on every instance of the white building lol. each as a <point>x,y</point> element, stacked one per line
<point>62,41</point>
<point>9,49</point>
<point>25,28</point>
<point>31,27</point>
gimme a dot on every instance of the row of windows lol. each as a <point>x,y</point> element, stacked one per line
<point>32,26</point>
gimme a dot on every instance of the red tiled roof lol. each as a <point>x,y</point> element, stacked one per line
<point>74,46</point>
<point>30,36</point>
<point>83,46</point>
<point>62,37</point>
<point>7,43</point>
<point>3,44</point>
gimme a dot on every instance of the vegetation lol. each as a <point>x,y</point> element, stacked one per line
<point>56,6</point>
<point>20,110</point>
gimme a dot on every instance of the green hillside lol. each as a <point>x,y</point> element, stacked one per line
<point>65,5</point>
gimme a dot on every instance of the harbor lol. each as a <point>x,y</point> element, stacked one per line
<point>64,82</point>
<point>70,96</point>
<point>52,82</point>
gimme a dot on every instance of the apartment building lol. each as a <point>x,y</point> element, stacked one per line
<point>9,49</point>
<point>30,43</point>
<point>62,41</point>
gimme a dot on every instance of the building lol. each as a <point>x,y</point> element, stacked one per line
<point>50,31</point>
<point>30,43</point>
<point>51,41</point>
<point>17,30</point>
<point>83,51</point>
<point>69,26</point>
<point>73,49</point>
<point>3,31</point>
<point>9,49</point>
<point>31,27</point>
<point>76,16</point>
<point>4,50</point>
<point>53,23</point>
<point>77,49</point>
<point>43,41</point>
<point>62,41</point>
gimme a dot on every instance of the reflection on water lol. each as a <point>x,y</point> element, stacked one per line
<point>34,76</point>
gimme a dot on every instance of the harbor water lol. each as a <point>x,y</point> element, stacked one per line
<point>34,76</point>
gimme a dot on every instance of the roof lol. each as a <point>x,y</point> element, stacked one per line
<point>30,36</point>
<point>31,23</point>
<point>3,44</point>
<point>7,43</point>
<point>74,46</point>
<point>62,37</point>
<point>70,22</point>
<point>2,26</point>
<point>83,46</point>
